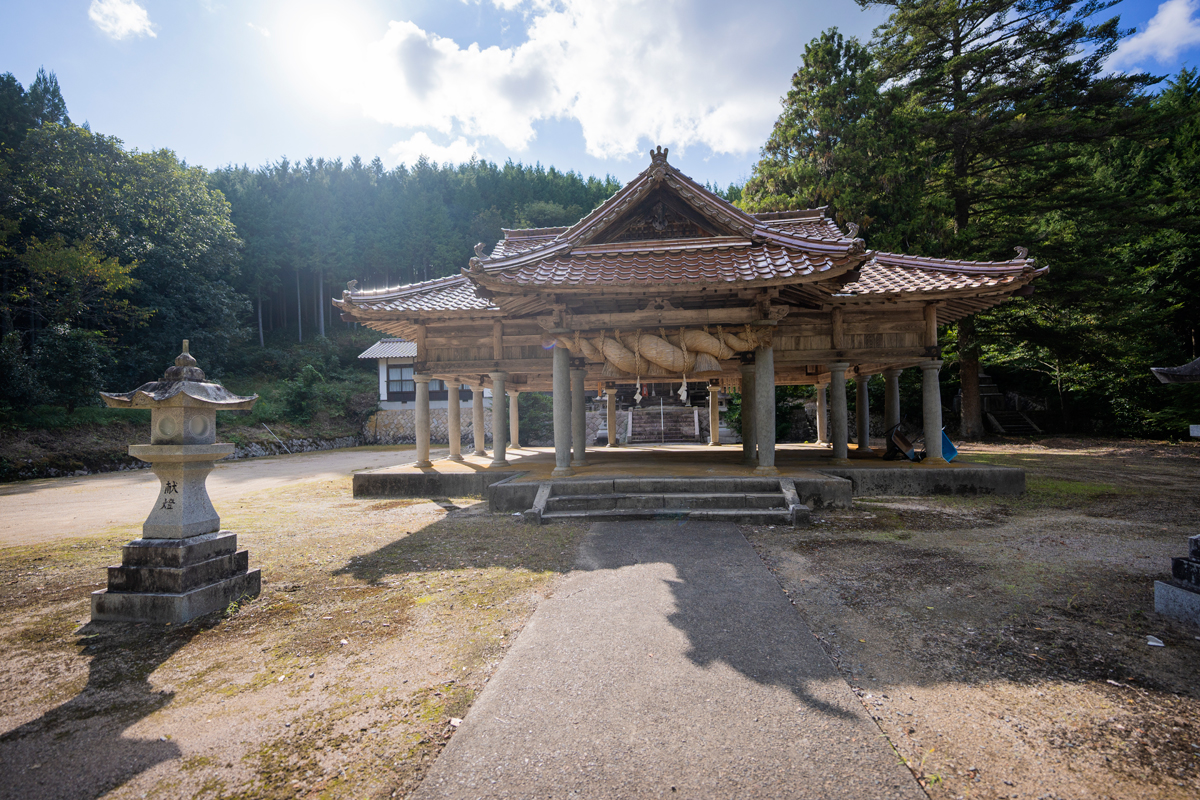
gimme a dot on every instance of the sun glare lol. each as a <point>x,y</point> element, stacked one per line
<point>322,47</point>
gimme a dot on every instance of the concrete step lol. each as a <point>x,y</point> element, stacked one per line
<point>684,500</point>
<point>747,516</point>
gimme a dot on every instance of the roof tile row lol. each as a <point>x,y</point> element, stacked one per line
<point>711,265</point>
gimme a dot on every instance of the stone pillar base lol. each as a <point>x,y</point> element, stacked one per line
<point>561,472</point>
<point>455,457</point>
<point>422,464</point>
<point>771,470</point>
<point>176,580</point>
<point>503,463</point>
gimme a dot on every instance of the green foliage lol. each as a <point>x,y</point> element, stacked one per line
<point>304,395</point>
<point>535,411</point>
<point>70,366</point>
<point>966,128</point>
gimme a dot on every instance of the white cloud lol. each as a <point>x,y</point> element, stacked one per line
<point>420,144</point>
<point>671,72</point>
<point>1173,29</point>
<point>120,18</point>
<point>258,30</point>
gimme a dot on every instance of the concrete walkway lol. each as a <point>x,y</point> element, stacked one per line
<point>669,664</point>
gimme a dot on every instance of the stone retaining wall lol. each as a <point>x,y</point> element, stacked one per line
<point>400,427</point>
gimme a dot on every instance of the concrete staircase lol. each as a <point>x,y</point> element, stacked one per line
<point>671,424</point>
<point>761,501</point>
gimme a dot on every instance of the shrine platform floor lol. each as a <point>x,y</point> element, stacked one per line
<point>869,474</point>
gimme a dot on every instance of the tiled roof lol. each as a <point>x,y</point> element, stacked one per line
<point>523,240</point>
<point>390,348</point>
<point>651,265</point>
<point>891,273</point>
<point>454,293</point>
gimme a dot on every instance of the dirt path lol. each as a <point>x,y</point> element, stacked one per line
<point>52,509</point>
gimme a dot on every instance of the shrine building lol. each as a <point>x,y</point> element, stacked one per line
<point>666,281</point>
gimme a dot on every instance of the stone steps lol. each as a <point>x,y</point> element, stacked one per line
<point>586,502</point>
<point>749,516</point>
<point>773,501</point>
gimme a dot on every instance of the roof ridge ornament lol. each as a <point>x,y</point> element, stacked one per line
<point>852,227</point>
<point>1022,252</point>
<point>658,164</point>
<point>479,249</point>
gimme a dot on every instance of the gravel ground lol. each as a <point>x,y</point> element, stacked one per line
<point>999,643</point>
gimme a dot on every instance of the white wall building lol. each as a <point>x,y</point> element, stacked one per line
<point>397,391</point>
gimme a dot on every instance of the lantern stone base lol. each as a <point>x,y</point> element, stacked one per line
<point>175,580</point>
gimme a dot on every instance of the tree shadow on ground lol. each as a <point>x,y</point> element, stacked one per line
<point>727,604</point>
<point>76,750</point>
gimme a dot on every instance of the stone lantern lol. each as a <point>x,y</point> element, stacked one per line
<point>184,565</point>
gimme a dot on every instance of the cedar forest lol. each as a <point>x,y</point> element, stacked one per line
<point>960,130</point>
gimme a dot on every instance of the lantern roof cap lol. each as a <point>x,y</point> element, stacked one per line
<point>182,385</point>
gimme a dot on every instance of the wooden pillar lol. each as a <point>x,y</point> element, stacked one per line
<point>453,421</point>
<point>891,398</point>
<point>822,413</point>
<point>422,432</point>
<point>932,411</point>
<point>514,418</point>
<point>477,423</point>
<point>839,433</point>
<point>749,430</point>
<point>610,398</point>
<point>498,433</point>
<point>562,412</point>
<point>578,418</point>
<point>764,409</point>
<point>714,415</point>
<point>862,407</point>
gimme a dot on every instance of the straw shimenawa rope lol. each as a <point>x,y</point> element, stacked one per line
<point>688,352</point>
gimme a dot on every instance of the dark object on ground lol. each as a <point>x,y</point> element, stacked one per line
<point>898,446</point>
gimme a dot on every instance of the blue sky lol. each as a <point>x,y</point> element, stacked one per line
<point>583,85</point>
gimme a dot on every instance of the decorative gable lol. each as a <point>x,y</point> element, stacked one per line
<point>661,215</point>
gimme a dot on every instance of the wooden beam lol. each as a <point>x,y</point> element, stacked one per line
<point>480,367</point>
<point>931,323</point>
<point>667,317</point>
<point>421,352</point>
<point>869,355</point>
<point>498,339</point>
<point>838,338</point>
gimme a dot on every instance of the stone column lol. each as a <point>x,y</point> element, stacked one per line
<point>610,398</point>
<point>891,398</point>
<point>764,409</point>
<point>749,429</point>
<point>498,459</point>
<point>514,419</point>
<point>714,415</point>
<point>932,411</point>
<point>822,413</point>
<point>562,412</point>
<point>578,418</point>
<point>453,422</point>
<point>837,410</point>
<point>862,408</point>
<point>422,382</point>
<point>477,419</point>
